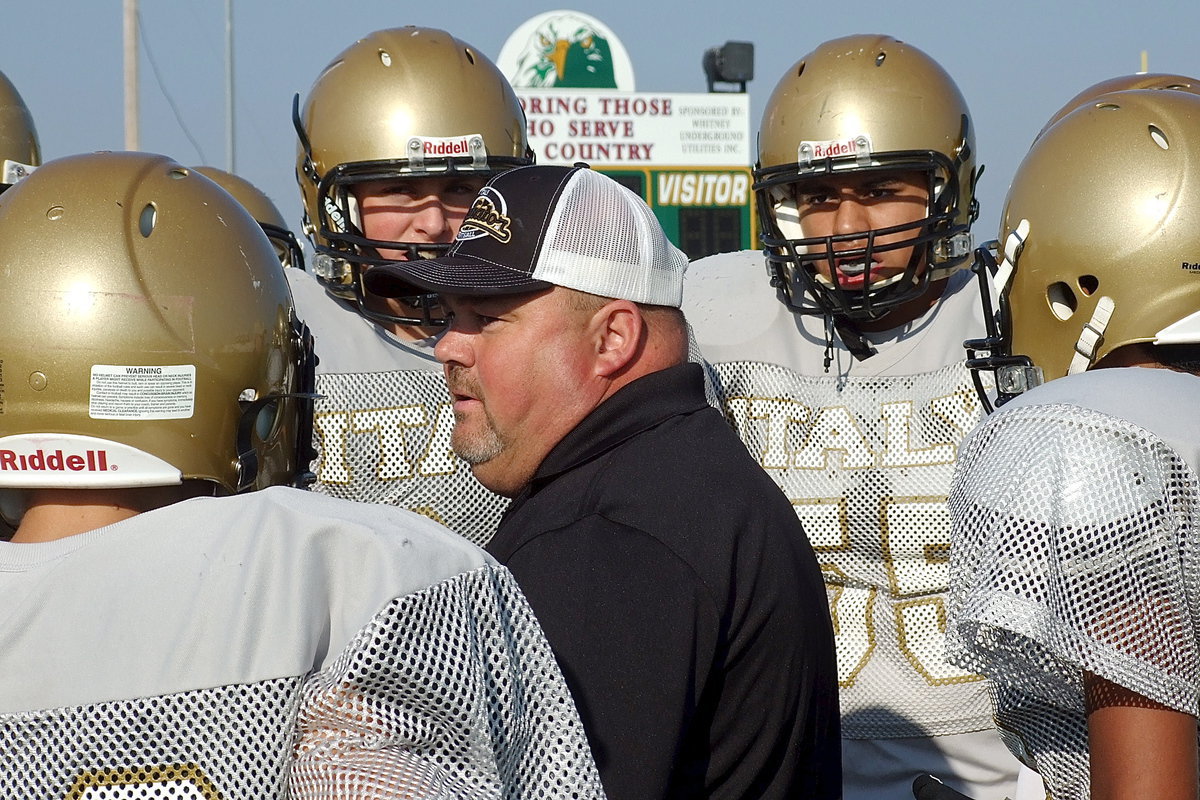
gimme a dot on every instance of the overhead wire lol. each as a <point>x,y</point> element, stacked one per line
<point>162,88</point>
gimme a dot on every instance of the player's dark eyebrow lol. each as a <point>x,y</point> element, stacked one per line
<point>829,187</point>
<point>882,182</point>
<point>822,187</point>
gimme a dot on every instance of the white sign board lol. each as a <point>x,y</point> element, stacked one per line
<point>638,129</point>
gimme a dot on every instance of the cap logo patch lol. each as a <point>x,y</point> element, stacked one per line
<point>488,216</point>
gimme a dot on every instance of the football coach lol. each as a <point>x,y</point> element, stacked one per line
<point>671,575</point>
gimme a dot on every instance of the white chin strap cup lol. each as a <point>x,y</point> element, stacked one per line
<point>1184,331</point>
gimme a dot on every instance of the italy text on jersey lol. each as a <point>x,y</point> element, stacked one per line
<point>384,437</point>
<point>867,464</point>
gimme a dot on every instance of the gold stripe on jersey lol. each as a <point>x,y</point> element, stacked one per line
<point>852,611</point>
<point>135,783</point>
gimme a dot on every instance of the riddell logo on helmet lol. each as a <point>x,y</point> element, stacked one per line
<point>833,149</point>
<point>447,147</point>
<point>56,461</point>
<point>1191,266</point>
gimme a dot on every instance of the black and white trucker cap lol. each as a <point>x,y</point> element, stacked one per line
<point>535,227</point>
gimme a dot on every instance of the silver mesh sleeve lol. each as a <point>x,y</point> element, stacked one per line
<point>1074,549</point>
<point>449,692</point>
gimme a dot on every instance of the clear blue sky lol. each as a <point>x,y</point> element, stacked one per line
<point>1016,62</point>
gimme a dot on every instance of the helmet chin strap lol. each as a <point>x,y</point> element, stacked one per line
<point>851,337</point>
<point>1091,336</point>
<point>855,342</point>
<point>1012,251</point>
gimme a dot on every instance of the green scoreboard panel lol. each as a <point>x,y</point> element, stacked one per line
<point>704,210</point>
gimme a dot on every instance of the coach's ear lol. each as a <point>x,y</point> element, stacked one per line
<point>618,331</point>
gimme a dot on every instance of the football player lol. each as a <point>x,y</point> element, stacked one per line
<point>1138,80</point>
<point>263,210</point>
<point>837,362</point>
<point>20,152</point>
<point>167,629</point>
<point>1076,562</point>
<point>398,134</point>
<point>19,155</point>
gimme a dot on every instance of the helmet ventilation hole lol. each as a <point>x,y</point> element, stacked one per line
<point>1107,106</point>
<point>177,174</point>
<point>1159,137</point>
<point>800,69</point>
<point>879,59</point>
<point>147,219</point>
<point>1088,284</point>
<point>470,56</point>
<point>1063,303</point>
<point>385,58</point>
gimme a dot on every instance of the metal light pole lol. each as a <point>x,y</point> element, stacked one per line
<point>232,160</point>
<point>131,75</point>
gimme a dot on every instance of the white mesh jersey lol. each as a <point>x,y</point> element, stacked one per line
<point>1077,522</point>
<point>865,452</point>
<point>382,424</point>
<point>277,644</point>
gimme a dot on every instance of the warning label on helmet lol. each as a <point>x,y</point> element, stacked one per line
<point>139,392</point>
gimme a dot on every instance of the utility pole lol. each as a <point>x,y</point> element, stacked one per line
<point>232,160</point>
<point>131,75</point>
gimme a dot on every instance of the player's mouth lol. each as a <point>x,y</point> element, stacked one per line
<point>855,272</point>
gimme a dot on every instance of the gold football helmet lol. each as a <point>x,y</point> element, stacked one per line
<point>1099,241</point>
<point>149,336</point>
<point>19,150</point>
<point>857,104</point>
<point>404,102</point>
<point>263,210</point>
<point>1143,80</point>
